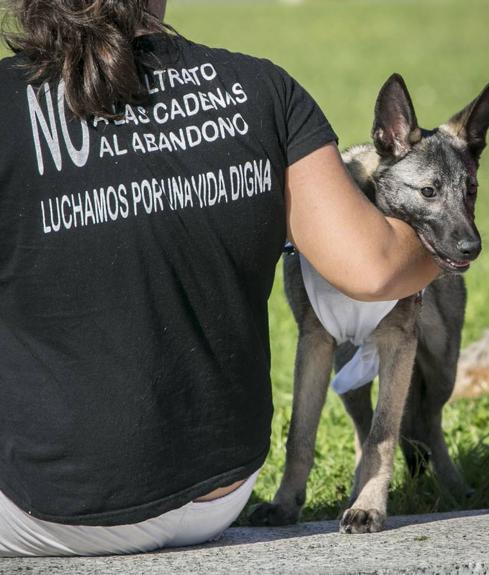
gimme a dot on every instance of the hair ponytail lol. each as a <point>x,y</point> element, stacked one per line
<point>86,43</point>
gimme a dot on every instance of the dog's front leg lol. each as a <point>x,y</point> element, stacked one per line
<point>314,359</point>
<point>397,350</point>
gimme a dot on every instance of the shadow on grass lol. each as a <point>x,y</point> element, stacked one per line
<point>425,494</point>
<point>418,495</point>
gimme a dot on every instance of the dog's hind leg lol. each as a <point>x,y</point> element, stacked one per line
<point>397,350</point>
<point>438,380</point>
<point>414,438</point>
<point>440,330</point>
<point>358,404</point>
<point>313,366</point>
<point>445,469</point>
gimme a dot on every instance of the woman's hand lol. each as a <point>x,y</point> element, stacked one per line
<point>346,238</point>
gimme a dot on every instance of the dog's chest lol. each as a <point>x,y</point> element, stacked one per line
<point>344,318</point>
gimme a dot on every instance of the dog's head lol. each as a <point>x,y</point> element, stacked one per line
<point>428,178</point>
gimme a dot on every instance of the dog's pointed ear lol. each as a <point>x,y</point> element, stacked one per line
<point>395,127</point>
<point>471,123</point>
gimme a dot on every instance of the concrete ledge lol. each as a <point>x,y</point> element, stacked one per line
<point>448,543</point>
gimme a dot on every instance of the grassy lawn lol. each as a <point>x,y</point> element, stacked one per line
<point>342,51</point>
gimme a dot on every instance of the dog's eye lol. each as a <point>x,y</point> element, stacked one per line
<point>428,192</point>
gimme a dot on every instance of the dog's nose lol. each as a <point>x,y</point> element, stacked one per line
<point>469,248</point>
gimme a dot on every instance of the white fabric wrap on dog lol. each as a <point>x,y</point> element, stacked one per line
<point>347,319</point>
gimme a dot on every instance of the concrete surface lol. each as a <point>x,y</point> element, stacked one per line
<point>452,543</point>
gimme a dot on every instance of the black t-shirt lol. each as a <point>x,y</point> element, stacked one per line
<point>136,261</point>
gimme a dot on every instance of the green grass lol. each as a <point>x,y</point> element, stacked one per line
<point>342,51</point>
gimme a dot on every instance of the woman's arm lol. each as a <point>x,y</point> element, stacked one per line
<point>346,238</point>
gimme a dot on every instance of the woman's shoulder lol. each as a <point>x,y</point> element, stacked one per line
<point>234,61</point>
<point>269,80</point>
<point>219,52</point>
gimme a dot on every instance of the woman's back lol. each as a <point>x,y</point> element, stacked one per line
<point>137,260</point>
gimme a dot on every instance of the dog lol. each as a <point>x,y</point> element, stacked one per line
<point>428,179</point>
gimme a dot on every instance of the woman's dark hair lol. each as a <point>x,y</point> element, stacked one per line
<point>86,43</point>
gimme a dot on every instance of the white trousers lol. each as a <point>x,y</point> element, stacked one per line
<point>22,535</point>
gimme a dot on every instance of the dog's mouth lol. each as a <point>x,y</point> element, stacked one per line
<point>446,263</point>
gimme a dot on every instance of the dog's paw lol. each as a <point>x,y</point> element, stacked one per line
<point>272,514</point>
<point>360,521</point>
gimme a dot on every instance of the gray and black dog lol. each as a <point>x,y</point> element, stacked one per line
<point>428,179</point>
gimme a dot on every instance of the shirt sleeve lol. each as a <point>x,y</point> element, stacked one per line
<point>306,127</point>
